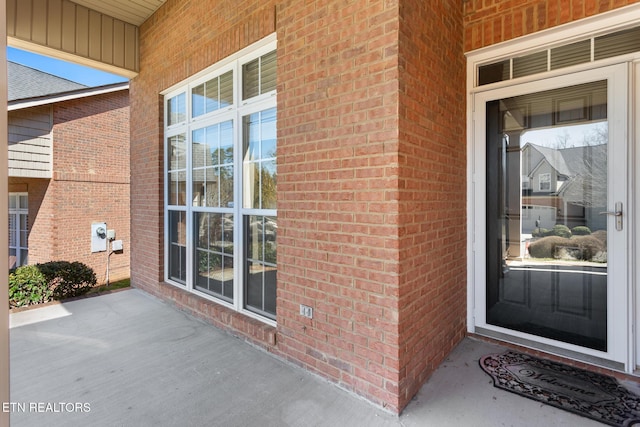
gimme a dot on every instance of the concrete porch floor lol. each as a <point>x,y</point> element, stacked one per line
<point>133,360</point>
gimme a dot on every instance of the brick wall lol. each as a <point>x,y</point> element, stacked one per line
<point>90,183</point>
<point>338,192</point>
<point>371,186</point>
<point>487,22</point>
<point>371,165</point>
<point>432,188</point>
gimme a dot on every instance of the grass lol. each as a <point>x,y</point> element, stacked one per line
<point>124,283</point>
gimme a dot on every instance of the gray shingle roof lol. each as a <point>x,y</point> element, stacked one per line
<point>555,158</point>
<point>25,82</point>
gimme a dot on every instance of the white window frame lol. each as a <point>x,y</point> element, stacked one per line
<point>236,112</point>
<point>19,212</point>
<point>544,178</point>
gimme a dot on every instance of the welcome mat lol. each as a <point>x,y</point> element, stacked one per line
<point>585,393</point>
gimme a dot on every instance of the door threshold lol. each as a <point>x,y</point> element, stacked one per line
<point>553,350</point>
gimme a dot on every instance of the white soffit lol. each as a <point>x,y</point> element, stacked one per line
<point>131,11</point>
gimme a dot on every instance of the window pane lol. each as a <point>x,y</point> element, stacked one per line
<point>13,201</point>
<point>176,109</point>
<point>268,72</point>
<point>212,149</point>
<point>572,54</point>
<point>13,225</point>
<point>492,73</point>
<point>197,100</point>
<point>259,76</point>
<point>530,64</point>
<point>251,136</point>
<point>198,148</point>
<point>268,184</point>
<point>251,79</point>
<point>260,264</point>
<point>252,185</point>
<point>268,134</point>
<point>226,186</point>
<point>615,44</point>
<point>260,164</point>
<point>214,254</point>
<point>226,142</point>
<point>177,188</point>
<point>226,89</point>
<point>177,152</point>
<point>177,246</point>
<point>212,95</point>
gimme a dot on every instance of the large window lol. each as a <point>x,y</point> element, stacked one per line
<point>221,182</point>
<point>18,229</point>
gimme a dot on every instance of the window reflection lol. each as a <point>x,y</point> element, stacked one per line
<point>260,264</point>
<point>260,168</point>
<point>212,159</point>
<point>546,186</point>
<point>214,254</point>
<point>177,170</point>
<point>177,246</point>
<point>212,95</point>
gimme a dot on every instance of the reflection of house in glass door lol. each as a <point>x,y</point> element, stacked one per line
<point>567,182</point>
<point>557,289</point>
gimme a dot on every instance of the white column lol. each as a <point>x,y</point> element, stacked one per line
<point>4,220</point>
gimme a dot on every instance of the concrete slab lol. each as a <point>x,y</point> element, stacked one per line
<point>128,359</point>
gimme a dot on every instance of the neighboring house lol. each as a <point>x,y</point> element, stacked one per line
<point>68,168</point>
<point>564,186</point>
<point>358,224</point>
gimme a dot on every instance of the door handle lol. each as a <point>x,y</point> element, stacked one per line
<point>617,213</point>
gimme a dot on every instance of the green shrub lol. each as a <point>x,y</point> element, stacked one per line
<point>68,279</point>
<point>540,232</point>
<point>27,285</point>
<point>561,230</point>
<point>581,230</point>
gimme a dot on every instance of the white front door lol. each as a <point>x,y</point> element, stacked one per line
<point>550,223</point>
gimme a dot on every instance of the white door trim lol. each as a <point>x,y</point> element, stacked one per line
<point>618,323</point>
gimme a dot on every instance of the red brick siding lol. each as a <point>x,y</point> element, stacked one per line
<point>487,22</point>
<point>372,175</point>
<point>90,183</point>
<point>338,192</point>
<point>432,188</point>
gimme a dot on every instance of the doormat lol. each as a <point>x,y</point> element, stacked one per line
<point>596,396</point>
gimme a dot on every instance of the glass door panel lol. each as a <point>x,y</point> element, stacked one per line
<point>547,184</point>
<point>553,175</point>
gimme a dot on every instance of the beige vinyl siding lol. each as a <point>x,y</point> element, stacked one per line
<point>30,152</point>
<point>68,30</point>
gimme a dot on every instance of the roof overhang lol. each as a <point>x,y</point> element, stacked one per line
<point>102,34</point>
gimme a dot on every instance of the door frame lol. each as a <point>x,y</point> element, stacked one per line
<point>628,357</point>
<point>618,277</point>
